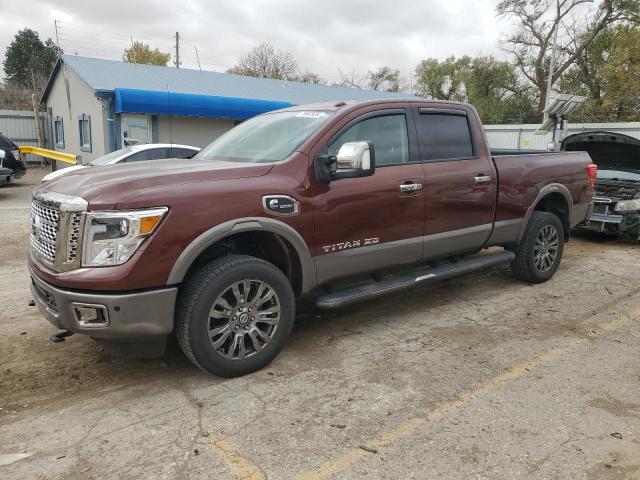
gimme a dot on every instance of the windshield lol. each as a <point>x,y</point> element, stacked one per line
<point>632,176</point>
<point>111,157</point>
<point>266,138</point>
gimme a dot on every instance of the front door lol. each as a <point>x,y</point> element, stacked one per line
<point>369,223</point>
<point>460,182</point>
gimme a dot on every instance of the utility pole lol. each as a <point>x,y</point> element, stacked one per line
<point>552,62</point>
<point>55,25</point>
<point>177,50</point>
<point>36,113</point>
<point>197,57</point>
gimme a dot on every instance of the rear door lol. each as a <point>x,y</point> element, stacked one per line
<point>368,223</point>
<point>460,181</point>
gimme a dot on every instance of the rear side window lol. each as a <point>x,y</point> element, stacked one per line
<point>444,136</point>
<point>182,153</point>
<point>149,154</point>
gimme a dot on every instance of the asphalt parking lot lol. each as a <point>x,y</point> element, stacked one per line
<point>479,377</point>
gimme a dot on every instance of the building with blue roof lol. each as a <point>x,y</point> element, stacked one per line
<point>98,106</point>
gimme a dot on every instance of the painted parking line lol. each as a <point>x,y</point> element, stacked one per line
<point>240,467</point>
<point>409,427</point>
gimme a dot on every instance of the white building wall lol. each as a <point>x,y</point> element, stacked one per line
<point>81,101</point>
<point>191,130</point>
<point>522,136</point>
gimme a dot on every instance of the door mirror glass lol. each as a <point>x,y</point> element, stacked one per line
<point>3,154</point>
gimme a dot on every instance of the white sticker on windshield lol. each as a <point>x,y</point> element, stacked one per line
<point>311,114</point>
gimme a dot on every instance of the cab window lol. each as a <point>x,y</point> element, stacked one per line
<point>387,133</point>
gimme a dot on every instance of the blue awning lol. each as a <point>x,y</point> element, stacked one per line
<point>189,105</point>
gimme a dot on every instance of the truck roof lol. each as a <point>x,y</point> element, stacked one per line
<point>357,103</point>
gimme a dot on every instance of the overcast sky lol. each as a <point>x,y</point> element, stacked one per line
<point>323,35</point>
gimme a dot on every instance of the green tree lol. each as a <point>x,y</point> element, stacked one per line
<point>492,86</point>
<point>495,89</point>
<point>386,79</point>
<point>442,80</point>
<point>608,74</point>
<point>28,61</point>
<point>140,52</point>
<point>536,23</point>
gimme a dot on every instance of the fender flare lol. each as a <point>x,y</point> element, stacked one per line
<point>226,229</point>
<point>544,191</point>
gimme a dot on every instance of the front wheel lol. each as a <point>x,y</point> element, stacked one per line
<point>234,315</point>
<point>539,252</point>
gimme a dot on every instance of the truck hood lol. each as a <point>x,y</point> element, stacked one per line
<point>609,150</point>
<point>105,187</point>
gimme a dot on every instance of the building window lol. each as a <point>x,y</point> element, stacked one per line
<point>84,124</point>
<point>58,132</point>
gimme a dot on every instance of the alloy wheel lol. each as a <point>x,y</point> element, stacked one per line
<point>243,319</point>
<point>545,249</point>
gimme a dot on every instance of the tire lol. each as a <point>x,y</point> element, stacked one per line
<point>539,252</point>
<point>226,334</point>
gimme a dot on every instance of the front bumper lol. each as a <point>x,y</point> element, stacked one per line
<point>131,315</point>
<point>605,219</point>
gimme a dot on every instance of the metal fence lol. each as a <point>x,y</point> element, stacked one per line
<point>522,137</point>
<point>19,126</point>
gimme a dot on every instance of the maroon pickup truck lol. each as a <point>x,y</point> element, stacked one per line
<point>339,202</point>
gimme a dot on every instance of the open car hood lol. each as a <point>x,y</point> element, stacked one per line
<point>608,150</point>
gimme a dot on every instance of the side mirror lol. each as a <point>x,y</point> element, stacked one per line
<point>354,159</point>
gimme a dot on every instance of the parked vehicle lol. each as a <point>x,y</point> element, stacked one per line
<point>338,202</point>
<point>133,153</point>
<point>12,158</point>
<point>617,194</point>
<point>6,174</point>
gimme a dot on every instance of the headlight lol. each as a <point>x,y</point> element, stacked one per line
<point>628,205</point>
<point>112,237</point>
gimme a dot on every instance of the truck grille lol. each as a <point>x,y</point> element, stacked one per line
<point>56,229</point>
<point>45,225</point>
<point>74,236</point>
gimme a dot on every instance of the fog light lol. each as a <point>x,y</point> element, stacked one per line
<point>90,316</point>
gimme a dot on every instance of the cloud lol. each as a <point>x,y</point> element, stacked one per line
<point>324,36</point>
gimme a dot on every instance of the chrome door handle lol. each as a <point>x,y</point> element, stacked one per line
<point>483,178</point>
<point>410,187</point>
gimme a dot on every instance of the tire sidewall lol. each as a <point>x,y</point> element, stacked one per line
<point>539,222</point>
<point>201,347</point>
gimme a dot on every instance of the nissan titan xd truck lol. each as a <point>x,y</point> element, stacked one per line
<point>337,203</point>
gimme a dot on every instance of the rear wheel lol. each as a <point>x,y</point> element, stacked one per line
<point>539,252</point>
<point>234,315</point>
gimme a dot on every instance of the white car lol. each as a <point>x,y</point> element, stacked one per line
<point>133,153</point>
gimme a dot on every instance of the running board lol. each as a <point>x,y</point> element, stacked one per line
<point>403,281</point>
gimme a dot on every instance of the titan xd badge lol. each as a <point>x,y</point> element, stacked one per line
<point>280,205</point>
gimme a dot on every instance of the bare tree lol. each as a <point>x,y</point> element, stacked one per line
<point>265,61</point>
<point>353,80</point>
<point>537,21</point>
<point>310,77</point>
<point>14,96</point>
